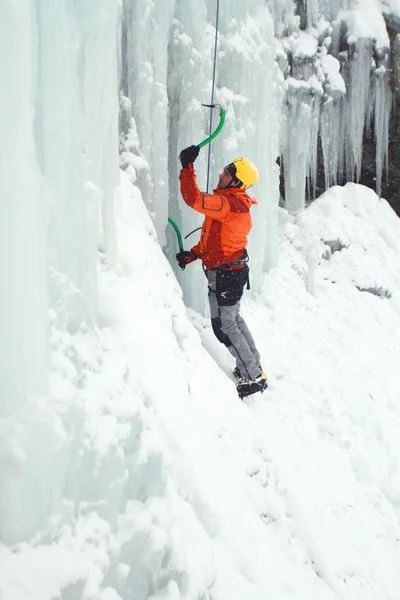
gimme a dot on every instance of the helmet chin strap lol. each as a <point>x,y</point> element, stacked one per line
<point>229,185</point>
<point>235,185</point>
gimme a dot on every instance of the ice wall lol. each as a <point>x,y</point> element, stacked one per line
<point>94,464</point>
<point>167,74</point>
<point>145,38</point>
<point>23,214</point>
<point>58,172</point>
<point>250,88</point>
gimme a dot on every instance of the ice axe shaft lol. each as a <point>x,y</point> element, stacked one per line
<point>178,233</point>
<point>220,124</point>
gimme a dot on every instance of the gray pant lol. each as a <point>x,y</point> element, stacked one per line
<point>231,329</point>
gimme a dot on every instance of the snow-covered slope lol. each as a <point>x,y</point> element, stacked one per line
<point>128,466</point>
<point>160,483</point>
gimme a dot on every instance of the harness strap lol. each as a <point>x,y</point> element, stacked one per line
<point>236,263</point>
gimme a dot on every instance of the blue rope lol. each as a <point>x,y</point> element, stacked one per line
<point>212,91</point>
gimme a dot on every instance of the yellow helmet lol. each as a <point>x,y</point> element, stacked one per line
<point>244,171</point>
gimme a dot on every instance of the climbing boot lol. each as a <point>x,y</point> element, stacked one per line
<point>236,372</point>
<point>251,386</point>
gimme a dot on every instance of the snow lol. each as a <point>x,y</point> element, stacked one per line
<point>331,68</point>
<point>301,45</point>
<point>129,468</point>
<point>196,493</point>
<point>393,7</point>
<point>365,20</point>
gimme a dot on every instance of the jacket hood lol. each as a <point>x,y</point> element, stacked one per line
<point>239,193</point>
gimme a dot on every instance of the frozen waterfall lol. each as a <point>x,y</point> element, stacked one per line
<point>59,183</point>
<point>58,173</point>
<point>100,467</point>
<point>167,75</point>
<point>337,83</point>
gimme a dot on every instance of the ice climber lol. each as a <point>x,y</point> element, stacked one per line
<point>222,250</point>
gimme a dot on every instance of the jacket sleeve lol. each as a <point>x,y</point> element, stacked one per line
<point>210,205</point>
<point>199,249</point>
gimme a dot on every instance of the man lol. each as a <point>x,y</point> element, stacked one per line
<point>222,249</point>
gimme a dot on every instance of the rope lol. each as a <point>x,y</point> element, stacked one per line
<point>212,92</point>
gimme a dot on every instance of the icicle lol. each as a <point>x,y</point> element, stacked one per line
<point>282,12</point>
<point>312,12</point>
<point>331,8</point>
<point>382,108</point>
<point>300,145</point>
<point>396,66</point>
<point>358,85</point>
<point>332,132</point>
<point>332,122</point>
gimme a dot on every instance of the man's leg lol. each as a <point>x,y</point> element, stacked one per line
<point>226,290</point>
<point>247,362</point>
<point>247,335</point>
<point>214,309</point>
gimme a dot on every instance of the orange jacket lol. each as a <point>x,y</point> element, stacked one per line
<point>227,223</point>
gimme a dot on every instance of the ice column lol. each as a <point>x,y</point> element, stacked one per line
<point>396,60</point>
<point>331,8</point>
<point>146,28</point>
<point>251,91</point>
<point>76,134</point>
<point>382,107</point>
<point>332,126</point>
<point>332,133</point>
<point>312,8</point>
<point>300,139</point>
<point>282,12</point>
<point>23,213</point>
<point>98,24</point>
<point>357,77</point>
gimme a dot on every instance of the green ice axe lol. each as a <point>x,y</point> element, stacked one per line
<point>220,124</point>
<point>178,233</point>
<point>203,143</point>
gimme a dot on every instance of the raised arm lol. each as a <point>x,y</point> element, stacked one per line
<point>214,206</point>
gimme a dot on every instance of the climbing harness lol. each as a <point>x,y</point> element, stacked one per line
<point>212,135</point>
<point>236,263</point>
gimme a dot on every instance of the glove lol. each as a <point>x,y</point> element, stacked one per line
<point>189,155</point>
<point>184,257</point>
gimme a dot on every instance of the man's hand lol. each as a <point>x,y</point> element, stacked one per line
<point>189,155</point>
<point>184,257</point>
